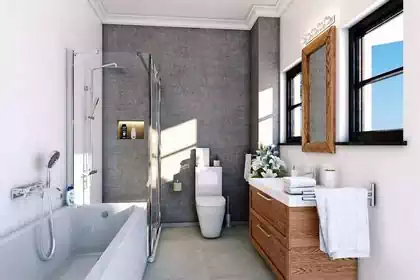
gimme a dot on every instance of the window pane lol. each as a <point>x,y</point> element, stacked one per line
<point>296,94</point>
<point>265,103</point>
<point>383,48</point>
<point>265,132</point>
<point>382,104</point>
<point>296,122</point>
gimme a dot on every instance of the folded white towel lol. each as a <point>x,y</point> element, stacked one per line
<point>344,222</point>
<point>298,182</point>
<point>297,191</point>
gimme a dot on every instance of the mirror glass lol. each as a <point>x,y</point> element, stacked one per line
<point>318,95</point>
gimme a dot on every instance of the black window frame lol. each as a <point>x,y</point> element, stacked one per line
<point>290,75</point>
<point>387,12</point>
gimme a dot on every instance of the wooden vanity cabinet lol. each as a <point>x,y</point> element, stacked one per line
<point>288,240</point>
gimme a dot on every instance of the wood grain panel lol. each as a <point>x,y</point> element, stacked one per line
<point>296,255</point>
<point>328,39</point>
<point>272,210</point>
<point>303,227</point>
<point>263,235</point>
<point>284,240</point>
<point>309,263</point>
<point>276,272</point>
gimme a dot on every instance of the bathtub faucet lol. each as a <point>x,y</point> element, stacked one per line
<point>29,189</point>
<point>26,190</point>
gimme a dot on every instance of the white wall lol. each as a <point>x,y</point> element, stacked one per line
<point>33,91</point>
<point>395,222</point>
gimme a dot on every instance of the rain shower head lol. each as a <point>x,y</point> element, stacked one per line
<point>53,159</point>
<point>113,66</point>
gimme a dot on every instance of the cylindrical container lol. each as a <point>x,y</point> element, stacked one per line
<point>330,178</point>
<point>216,163</point>
<point>124,132</point>
<point>177,186</point>
<point>294,172</point>
<point>133,133</point>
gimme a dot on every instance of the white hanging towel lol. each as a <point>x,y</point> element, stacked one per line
<point>248,163</point>
<point>344,222</point>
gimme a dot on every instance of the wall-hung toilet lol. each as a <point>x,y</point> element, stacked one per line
<point>209,200</point>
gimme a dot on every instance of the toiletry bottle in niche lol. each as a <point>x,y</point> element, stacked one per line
<point>124,132</point>
<point>133,133</point>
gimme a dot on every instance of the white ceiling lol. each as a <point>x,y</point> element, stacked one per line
<point>224,14</point>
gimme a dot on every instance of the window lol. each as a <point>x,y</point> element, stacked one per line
<point>294,104</point>
<point>265,117</point>
<point>376,76</point>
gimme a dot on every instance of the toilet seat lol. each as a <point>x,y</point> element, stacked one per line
<point>210,201</point>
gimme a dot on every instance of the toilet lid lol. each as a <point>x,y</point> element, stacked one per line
<point>210,200</point>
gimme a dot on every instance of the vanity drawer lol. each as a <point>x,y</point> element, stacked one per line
<point>274,211</point>
<point>266,238</point>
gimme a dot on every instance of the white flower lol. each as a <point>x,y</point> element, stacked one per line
<point>276,162</point>
<point>257,163</point>
<point>269,174</point>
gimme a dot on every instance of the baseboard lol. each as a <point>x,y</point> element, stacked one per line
<point>239,223</point>
<point>196,224</point>
<point>179,225</point>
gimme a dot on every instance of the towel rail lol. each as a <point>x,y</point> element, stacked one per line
<point>310,195</point>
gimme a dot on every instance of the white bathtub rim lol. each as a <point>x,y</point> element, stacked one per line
<point>101,265</point>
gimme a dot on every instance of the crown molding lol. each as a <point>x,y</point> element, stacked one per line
<point>246,24</point>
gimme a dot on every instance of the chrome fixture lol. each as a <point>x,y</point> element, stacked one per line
<point>89,173</point>
<point>95,105</point>
<point>36,187</point>
<point>40,244</point>
<point>26,190</point>
<point>91,104</point>
<point>310,195</point>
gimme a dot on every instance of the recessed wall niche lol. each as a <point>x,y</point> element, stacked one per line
<point>130,130</point>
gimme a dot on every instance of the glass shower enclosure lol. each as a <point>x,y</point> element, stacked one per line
<point>154,183</point>
<point>104,91</point>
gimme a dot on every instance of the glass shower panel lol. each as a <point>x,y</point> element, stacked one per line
<point>110,91</point>
<point>154,157</point>
<point>86,125</point>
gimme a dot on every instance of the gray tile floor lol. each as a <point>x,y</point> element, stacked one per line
<point>184,255</point>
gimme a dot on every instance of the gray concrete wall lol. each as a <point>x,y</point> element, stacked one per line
<point>265,72</point>
<point>206,81</point>
<point>125,97</point>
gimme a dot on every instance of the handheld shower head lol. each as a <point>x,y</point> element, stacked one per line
<point>53,159</point>
<point>95,104</point>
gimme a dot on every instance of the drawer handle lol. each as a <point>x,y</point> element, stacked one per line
<point>266,233</point>
<point>263,196</point>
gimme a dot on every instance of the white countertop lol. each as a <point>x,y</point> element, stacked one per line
<point>274,188</point>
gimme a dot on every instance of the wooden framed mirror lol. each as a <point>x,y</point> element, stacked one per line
<point>318,100</point>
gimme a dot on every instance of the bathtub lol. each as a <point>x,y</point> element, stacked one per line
<point>103,241</point>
